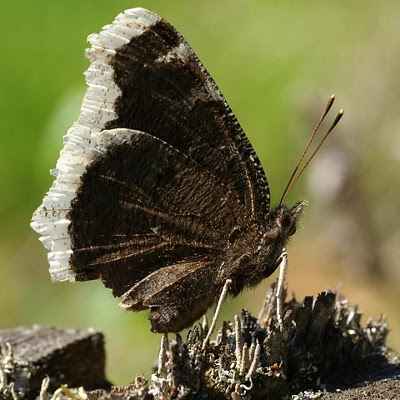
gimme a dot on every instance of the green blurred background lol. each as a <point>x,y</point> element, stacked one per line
<point>277,62</point>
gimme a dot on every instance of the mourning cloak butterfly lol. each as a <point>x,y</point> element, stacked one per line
<point>157,190</point>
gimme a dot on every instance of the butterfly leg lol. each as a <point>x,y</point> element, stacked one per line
<point>224,292</point>
<point>282,260</point>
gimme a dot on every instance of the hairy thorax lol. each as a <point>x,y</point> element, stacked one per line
<point>253,253</point>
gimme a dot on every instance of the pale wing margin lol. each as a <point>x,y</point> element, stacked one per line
<point>50,219</point>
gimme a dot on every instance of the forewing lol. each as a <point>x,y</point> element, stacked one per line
<point>167,92</point>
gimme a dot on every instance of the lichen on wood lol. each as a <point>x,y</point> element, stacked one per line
<point>320,347</point>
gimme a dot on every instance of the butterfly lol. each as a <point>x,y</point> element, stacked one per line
<point>158,191</point>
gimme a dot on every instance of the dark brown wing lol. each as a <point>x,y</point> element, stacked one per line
<point>169,189</point>
<point>142,206</point>
<point>177,295</point>
<point>167,92</point>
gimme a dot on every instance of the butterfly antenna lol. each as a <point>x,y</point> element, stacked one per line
<point>292,181</point>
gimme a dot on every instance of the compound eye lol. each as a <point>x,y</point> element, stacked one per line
<point>287,223</point>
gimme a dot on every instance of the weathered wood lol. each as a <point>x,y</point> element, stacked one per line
<point>67,356</point>
<point>321,347</point>
<point>384,389</point>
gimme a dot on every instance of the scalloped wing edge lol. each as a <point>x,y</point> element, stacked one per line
<point>50,219</point>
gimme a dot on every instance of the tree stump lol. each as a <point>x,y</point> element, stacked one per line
<point>320,350</point>
<point>29,354</point>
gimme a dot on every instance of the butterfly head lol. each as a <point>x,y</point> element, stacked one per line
<point>285,219</point>
<point>282,223</point>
